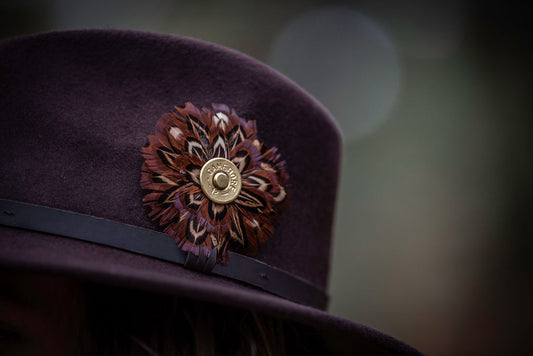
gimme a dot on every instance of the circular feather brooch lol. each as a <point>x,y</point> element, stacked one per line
<point>211,183</point>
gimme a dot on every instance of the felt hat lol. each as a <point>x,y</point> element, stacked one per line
<point>172,165</point>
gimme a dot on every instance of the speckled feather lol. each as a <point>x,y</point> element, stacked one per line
<point>184,140</point>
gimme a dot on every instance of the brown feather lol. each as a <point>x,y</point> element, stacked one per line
<point>184,140</point>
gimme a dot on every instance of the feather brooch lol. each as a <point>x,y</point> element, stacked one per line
<point>211,183</point>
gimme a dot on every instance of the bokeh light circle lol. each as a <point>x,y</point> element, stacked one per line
<point>346,61</point>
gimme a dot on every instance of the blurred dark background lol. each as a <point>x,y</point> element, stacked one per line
<point>433,236</point>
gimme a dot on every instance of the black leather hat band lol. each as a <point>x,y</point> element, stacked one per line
<point>156,244</point>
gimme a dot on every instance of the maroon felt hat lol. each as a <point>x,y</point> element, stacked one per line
<point>171,164</point>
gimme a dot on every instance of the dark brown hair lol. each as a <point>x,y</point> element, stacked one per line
<point>128,322</point>
<point>52,315</point>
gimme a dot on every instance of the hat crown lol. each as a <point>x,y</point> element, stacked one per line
<point>78,106</point>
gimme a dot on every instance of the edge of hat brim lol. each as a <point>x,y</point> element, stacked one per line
<point>22,249</point>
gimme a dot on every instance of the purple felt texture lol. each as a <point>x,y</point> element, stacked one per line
<point>77,106</point>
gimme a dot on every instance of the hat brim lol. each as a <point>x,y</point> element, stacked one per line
<point>92,262</point>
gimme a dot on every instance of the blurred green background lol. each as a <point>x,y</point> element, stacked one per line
<point>434,217</point>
